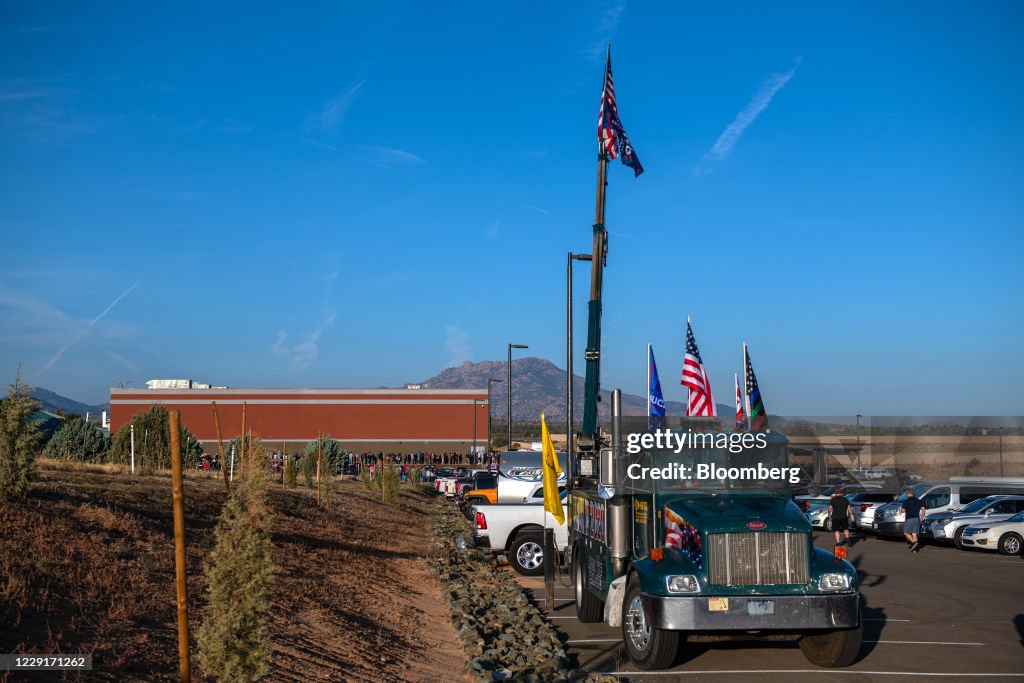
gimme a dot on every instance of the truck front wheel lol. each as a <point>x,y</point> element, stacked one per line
<point>648,647</point>
<point>834,648</point>
<point>589,608</point>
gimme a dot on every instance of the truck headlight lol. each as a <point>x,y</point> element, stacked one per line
<point>686,583</point>
<point>834,581</point>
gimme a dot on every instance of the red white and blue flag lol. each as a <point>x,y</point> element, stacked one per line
<point>610,132</point>
<point>741,417</point>
<point>701,403</point>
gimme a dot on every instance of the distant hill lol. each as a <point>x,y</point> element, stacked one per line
<point>538,387</point>
<point>53,402</point>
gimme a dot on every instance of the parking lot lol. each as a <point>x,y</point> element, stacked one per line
<point>939,614</point>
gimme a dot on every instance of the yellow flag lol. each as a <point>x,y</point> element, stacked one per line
<point>552,501</point>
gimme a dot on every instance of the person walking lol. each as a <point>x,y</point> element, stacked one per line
<point>914,510</point>
<point>841,514</point>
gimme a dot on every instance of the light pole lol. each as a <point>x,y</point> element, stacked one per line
<point>490,381</point>
<point>858,440</point>
<point>568,362</point>
<point>474,426</point>
<point>510,347</point>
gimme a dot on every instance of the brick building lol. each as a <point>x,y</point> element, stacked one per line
<point>388,420</point>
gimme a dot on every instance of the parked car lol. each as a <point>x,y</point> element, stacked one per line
<point>947,527</point>
<point>804,502</point>
<point>864,505</point>
<point>1007,536</point>
<point>819,517</point>
<point>518,531</point>
<point>944,497</point>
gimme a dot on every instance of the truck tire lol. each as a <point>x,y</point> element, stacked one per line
<point>958,537</point>
<point>649,648</point>
<point>589,609</point>
<point>526,554</point>
<point>1009,544</point>
<point>833,649</point>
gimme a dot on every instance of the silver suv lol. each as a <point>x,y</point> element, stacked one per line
<point>950,526</point>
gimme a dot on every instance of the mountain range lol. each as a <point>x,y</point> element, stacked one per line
<point>538,386</point>
<point>54,402</point>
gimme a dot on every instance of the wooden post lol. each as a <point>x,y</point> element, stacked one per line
<point>319,456</point>
<point>249,447</point>
<point>241,444</point>
<point>220,447</point>
<point>184,663</point>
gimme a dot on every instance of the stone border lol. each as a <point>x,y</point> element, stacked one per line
<point>505,636</point>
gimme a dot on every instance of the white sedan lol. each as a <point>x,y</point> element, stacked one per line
<point>1006,537</point>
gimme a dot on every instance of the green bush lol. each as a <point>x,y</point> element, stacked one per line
<point>19,440</point>
<point>415,476</point>
<point>233,640</point>
<point>366,478</point>
<point>78,440</point>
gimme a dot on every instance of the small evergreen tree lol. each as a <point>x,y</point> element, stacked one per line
<point>388,482</point>
<point>335,457</point>
<point>153,442</point>
<point>309,469</point>
<point>19,440</point>
<point>78,440</point>
<point>366,478</point>
<point>233,640</point>
<point>415,476</point>
<point>291,472</point>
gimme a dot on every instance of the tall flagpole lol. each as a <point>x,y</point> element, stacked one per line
<point>648,385</point>
<point>593,351</point>
<point>746,396</point>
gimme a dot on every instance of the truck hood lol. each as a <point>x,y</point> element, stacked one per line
<point>726,512</point>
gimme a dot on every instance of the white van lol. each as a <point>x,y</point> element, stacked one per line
<point>942,497</point>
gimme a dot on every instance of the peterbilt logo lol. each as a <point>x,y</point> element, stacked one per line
<point>756,525</point>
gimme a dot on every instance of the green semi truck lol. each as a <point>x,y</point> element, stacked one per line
<point>712,551</point>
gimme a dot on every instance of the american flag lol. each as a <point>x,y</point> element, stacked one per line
<point>741,418</point>
<point>758,418</point>
<point>701,403</point>
<point>610,133</point>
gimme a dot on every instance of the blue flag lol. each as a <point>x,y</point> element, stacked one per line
<point>655,401</point>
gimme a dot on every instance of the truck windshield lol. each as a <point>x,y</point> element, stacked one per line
<point>713,470</point>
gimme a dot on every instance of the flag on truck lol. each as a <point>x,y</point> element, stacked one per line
<point>756,415</point>
<point>610,132</point>
<point>701,403</point>
<point>655,400</point>
<point>552,471</point>
<point>741,417</point>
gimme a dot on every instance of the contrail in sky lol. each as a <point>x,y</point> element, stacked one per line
<point>731,135</point>
<point>85,330</point>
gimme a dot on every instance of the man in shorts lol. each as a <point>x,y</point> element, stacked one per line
<point>841,514</point>
<point>914,510</point>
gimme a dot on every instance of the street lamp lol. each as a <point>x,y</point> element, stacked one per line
<point>474,426</point>
<point>858,440</point>
<point>490,381</point>
<point>568,362</point>
<point>510,347</point>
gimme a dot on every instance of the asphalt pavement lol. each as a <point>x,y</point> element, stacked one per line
<point>939,614</point>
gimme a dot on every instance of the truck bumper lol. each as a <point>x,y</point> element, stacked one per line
<point>774,612</point>
<point>480,540</point>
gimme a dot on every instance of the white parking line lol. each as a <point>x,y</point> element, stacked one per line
<point>817,672</point>
<point>917,642</point>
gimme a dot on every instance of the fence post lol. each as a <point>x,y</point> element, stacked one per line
<point>184,663</point>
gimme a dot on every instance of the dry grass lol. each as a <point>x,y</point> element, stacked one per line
<point>87,565</point>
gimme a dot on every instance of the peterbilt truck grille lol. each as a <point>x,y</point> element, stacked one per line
<point>761,558</point>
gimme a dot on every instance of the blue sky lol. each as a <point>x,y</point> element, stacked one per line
<point>361,194</point>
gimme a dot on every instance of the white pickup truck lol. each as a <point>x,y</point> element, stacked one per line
<point>518,530</point>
